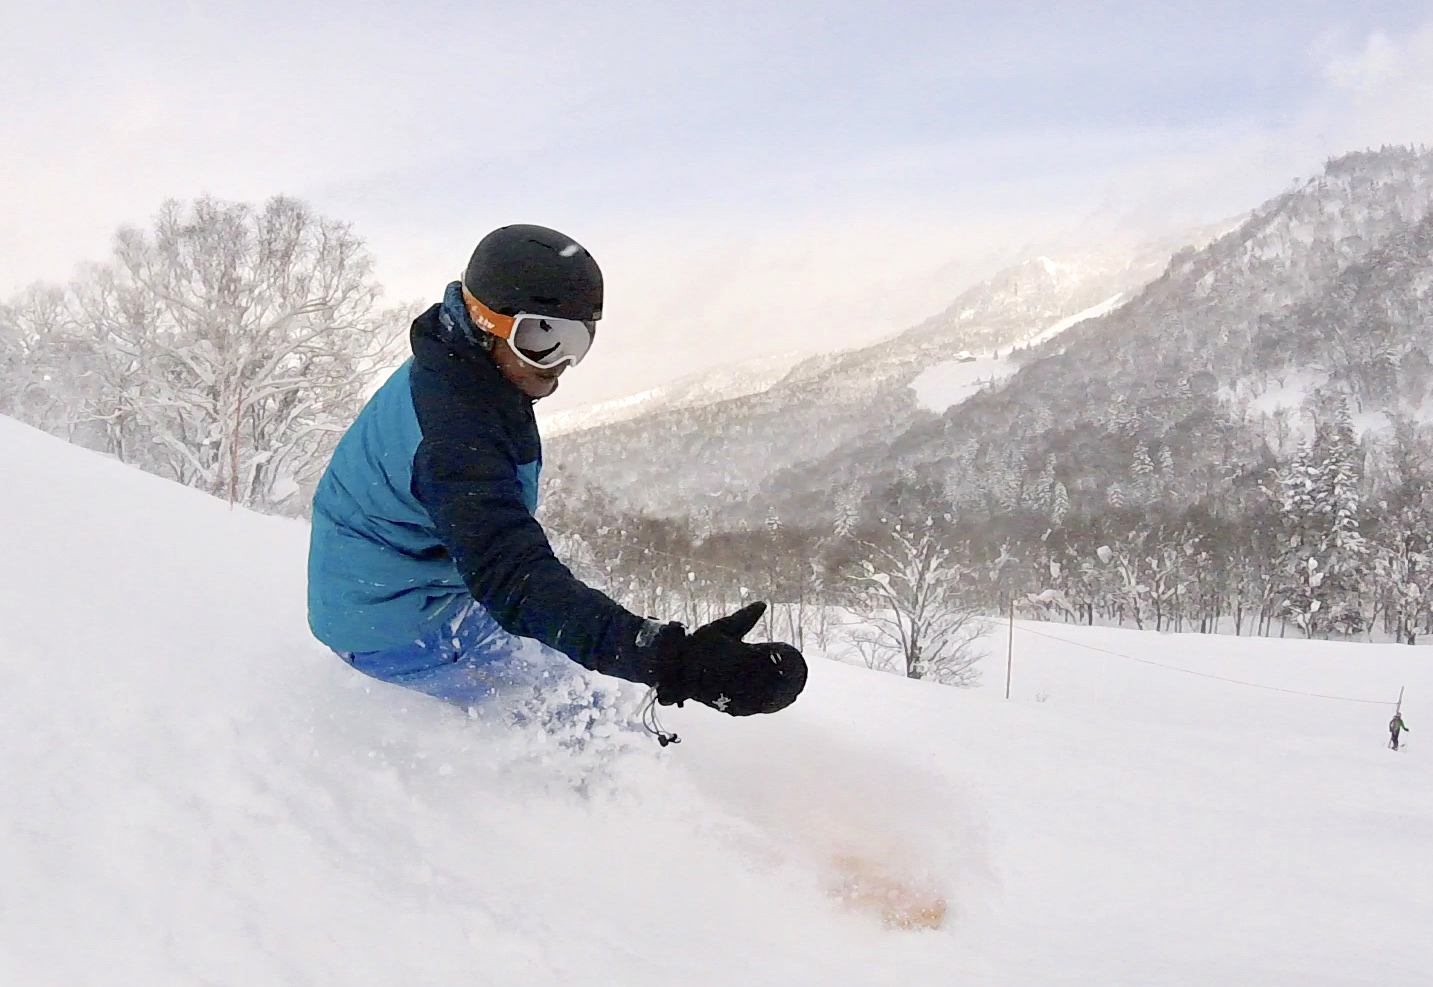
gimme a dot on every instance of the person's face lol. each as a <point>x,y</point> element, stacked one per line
<point>530,380</point>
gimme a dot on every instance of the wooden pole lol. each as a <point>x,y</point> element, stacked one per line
<point>1010,651</point>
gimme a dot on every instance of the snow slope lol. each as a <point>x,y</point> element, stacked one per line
<point>1093,312</point>
<point>944,385</point>
<point>194,792</point>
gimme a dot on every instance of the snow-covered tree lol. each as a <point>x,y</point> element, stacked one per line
<point>228,346</point>
<point>1143,467</point>
<point>1059,503</point>
<point>906,590</point>
<point>1326,558</point>
<point>1116,575</point>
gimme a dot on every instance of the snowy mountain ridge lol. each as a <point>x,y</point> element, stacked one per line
<point>1327,282</point>
<point>673,460</point>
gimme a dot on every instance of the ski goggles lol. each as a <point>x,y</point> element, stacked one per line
<point>541,341</point>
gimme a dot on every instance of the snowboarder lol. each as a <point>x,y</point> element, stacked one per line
<point>426,564</point>
<point>1395,727</point>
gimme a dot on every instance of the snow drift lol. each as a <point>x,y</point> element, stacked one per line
<point>196,792</point>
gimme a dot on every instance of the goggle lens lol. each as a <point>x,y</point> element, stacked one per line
<point>545,342</point>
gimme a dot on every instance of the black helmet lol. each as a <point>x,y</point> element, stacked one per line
<point>533,269</point>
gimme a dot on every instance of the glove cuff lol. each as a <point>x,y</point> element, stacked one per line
<point>659,659</point>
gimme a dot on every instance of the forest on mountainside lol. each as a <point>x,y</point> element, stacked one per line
<point>1244,445</point>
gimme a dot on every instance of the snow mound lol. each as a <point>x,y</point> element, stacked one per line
<point>197,792</point>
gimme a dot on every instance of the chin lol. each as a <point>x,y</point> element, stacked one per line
<point>542,388</point>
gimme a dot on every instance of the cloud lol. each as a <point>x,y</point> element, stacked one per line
<point>1377,91</point>
<point>1370,70</point>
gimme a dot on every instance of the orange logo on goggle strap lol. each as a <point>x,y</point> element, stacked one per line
<point>485,318</point>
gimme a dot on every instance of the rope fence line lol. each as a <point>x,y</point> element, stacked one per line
<point>1206,675</point>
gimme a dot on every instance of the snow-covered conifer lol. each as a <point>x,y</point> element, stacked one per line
<point>1326,557</point>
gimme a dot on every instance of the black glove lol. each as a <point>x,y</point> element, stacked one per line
<point>714,667</point>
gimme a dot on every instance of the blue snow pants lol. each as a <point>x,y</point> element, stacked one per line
<point>466,659</point>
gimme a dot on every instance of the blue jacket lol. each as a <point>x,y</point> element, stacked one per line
<point>427,503</point>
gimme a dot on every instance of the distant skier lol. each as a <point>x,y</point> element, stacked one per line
<point>1395,727</point>
<point>425,560</point>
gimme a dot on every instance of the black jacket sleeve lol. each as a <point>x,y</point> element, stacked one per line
<point>465,474</point>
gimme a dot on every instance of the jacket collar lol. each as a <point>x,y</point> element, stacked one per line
<point>457,326</point>
<point>454,330</point>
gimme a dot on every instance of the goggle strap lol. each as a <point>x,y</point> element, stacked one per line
<point>485,318</point>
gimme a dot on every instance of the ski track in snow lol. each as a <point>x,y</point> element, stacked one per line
<point>196,792</point>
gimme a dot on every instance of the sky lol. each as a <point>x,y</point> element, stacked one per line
<point>753,177</point>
